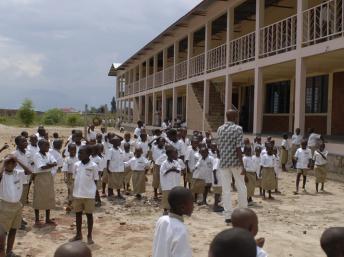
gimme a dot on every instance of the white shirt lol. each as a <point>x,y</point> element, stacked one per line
<point>285,144</point>
<point>157,152</point>
<point>11,186</point>
<point>137,164</point>
<point>59,160</point>
<point>171,238</point>
<point>267,161</point>
<point>256,162</point>
<point>84,180</point>
<point>164,125</point>
<point>296,139</point>
<point>116,160</point>
<point>313,139</point>
<point>137,132</point>
<point>127,156</point>
<point>97,160</point>
<point>161,159</point>
<point>261,252</point>
<point>31,151</point>
<point>144,146</point>
<point>131,143</point>
<point>318,157</point>
<point>41,161</point>
<point>204,169</point>
<point>249,164</point>
<point>303,156</point>
<point>91,135</point>
<point>172,179</point>
<point>107,147</point>
<point>24,158</point>
<point>192,157</point>
<point>68,164</point>
<point>66,153</point>
<point>179,145</point>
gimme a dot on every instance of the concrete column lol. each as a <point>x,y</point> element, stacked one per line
<point>205,101</point>
<point>207,44</point>
<point>146,109</point>
<point>228,94</point>
<point>230,29</point>
<point>174,104</point>
<point>155,68</point>
<point>190,51</point>
<point>300,95</point>
<point>187,103</point>
<point>329,104</point>
<point>260,11</point>
<point>258,101</point>
<point>140,108</point>
<point>164,58</point>
<point>163,105</point>
<point>131,110</point>
<point>291,104</point>
<point>301,6</point>
<point>154,110</point>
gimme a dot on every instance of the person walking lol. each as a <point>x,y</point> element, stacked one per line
<point>230,137</point>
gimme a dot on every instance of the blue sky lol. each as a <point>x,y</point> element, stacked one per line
<point>58,52</point>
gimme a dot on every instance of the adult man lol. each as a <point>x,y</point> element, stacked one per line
<point>230,137</point>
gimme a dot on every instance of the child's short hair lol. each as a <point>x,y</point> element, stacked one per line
<point>71,146</point>
<point>57,143</point>
<point>24,134</point>
<point>332,241</point>
<point>73,249</point>
<point>41,142</point>
<point>236,241</point>
<point>169,150</point>
<point>18,139</point>
<point>55,135</point>
<point>179,196</point>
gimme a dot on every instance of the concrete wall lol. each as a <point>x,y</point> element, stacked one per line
<point>195,113</point>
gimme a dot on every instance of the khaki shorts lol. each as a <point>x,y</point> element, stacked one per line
<point>10,215</point>
<point>105,177</point>
<point>25,194</point>
<point>304,172</point>
<point>164,202</point>
<point>69,180</point>
<point>116,180</point>
<point>198,186</point>
<point>86,205</point>
<point>156,176</point>
<point>217,190</point>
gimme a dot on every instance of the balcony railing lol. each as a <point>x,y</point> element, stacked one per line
<point>278,37</point>
<point>143,84</point>
<point>323,22</point>
<point>197,65</point>
<point>242,49</point>
<point>159,78</point>
<point>130,89</point>
<point>169,75</point>
<point>150,81</point>
<point>216,58</point>
<point>181,71</point>
<point>136,86</point>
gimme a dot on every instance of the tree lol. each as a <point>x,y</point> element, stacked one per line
<point>26,112</point>
<point>53,116</point>
<point>113,105</point>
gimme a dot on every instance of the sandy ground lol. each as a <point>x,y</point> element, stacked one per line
<point>291,224</point>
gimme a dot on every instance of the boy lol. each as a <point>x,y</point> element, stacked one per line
<point>127,155</point>
<point>143,144</point>
<point>169,175</point>
<point>234,242</point>
<point>257,142</point>
<point>157,151</point>
<point>139,165</point>
<point>247,219</point>
<point>107,146</point>
<point>67,169</point>
<point>268,171</point>
<point>320,161</point>
<point>91,134</point>
<point>256,162</point>
<point>127,139</point>
<point>171,235</point>
<point>191,158</point>
<point>73,249</point>
<point>295,144</point>
<point>11,189</point>
<point>98,161</point>
<point>25,134</point>
<point>250,173</point>
<point>44,193</point>
<point>284,152</point>
<point>217,186</point>
<point>85,176</point>
<point>55,152</point>
<point>332,242</point>
<point>303,158</point>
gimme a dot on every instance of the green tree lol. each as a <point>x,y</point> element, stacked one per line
<point>53,116</point>
<point>26,113</point>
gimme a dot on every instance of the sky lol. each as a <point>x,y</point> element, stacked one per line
<point>58,52</point>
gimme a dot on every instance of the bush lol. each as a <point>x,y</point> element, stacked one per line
<point>52,117</point>
<point>26,113</point>
<point>74,120</point>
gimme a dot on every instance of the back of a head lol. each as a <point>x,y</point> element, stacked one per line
<point>332,242</point>
<point>234,242</point>
<point>178,196</point>
<point>245,218</point>
<point>73,249</point>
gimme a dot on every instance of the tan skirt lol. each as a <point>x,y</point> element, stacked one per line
<point>304,172</point>
<point>127,175</point>
<point>156,176</point>
<point>10,215</point>
<point>284,156</point>
<point>44,192</point>
<point>189,177</point>
<point>139,181</point>
<point>164,202</point>
<point>25,194</point>
<point>70,186</point>
<point>258,182</point>
<point>116,180</point>
<point>320,173</point>
<point>105,177</point>
<point>268,179</point>
<point>251,183</point>
<point>217,190</point>
<point>198,186</point>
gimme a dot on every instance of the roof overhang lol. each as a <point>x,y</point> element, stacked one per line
<point>114,69</point>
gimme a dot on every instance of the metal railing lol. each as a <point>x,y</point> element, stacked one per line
<point>278,37</point>
<point>216,58</point>
<point>196,65</point>
<point>323,22</point>
<point>169,75</point>
<point>181,71</point>
<point>242,49</point>
<point>150,80</point>
<point>159,78</point>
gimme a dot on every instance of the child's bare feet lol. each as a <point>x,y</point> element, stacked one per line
<point>76,238</point>
<point>38,224</point>
<point>271,198</point>
<point>90,240</point>
<point>51,222</point>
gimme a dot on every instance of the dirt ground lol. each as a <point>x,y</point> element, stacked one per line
<point>291,224</point>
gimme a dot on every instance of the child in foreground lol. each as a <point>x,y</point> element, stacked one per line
<point>171,235</point>
<point>303,158</point>
<point>320,161</point>
<point>73,249</point>
<point>332,242</point>
<point>268,172</point>
<point>67,169</point>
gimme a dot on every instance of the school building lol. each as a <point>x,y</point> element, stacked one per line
<point>279,62</point>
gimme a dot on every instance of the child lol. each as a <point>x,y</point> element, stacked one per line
<point>256,162</point>
<point>217,186</point>
<point>250,173</point>
<point>139,165</point>
<point>320,161</point>
<point>295,144</point>
<point>257,142</point>
<point>268,172</point>
<point>143,144</point>
<point>332,242</point>
<point>234,242</point>
<point>157,151</point>
<point>11,189</point>
<point>115,166</point>
<point>44,192</point>
<point>25,134</point>
<point>107,146</point>
<point>98,161</point>
<point>91,134</point>
<point>172,139</point>
<point>85,176</point>
<point>171,236</point>
<point>277,169</point>
<point>284,152</point>
<point>127,139</point>
<point>73,249</point>
<point>103,133</point>
<point>127,155</point>
<point>247,219</point>
<point>191,158</point>
<point>303,158</point>
<point>55,152</point>
<point>67,169</point>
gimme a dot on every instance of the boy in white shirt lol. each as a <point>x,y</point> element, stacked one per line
<point>139,165</point>
<point>127,140</point>
<point>158,150</point>
<point>303,158</point>
<point>143,144</point>
<point>217,185</point>
<point>44,192</point>
<point>127,155</point>
<point>55,152</point>
<point>91,134</point>
<point>295,144</point>
<point>250,174</point>
<point>85,186</point>
<point>95,149</point>
<point>320,161</point>
<point>256,162</point>
<point>11,190</point>
<point>67,169</point>
<point>284,152</point>
<point>191,158</point>
<point>107,146</point>
<point>268,171</point>
<point>171,236</point>
<point>169,175</point>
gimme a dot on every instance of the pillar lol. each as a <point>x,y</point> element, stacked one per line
<point>187,103</point>
<point>140,108</point>
<point>154,110</point>
<point>300,94</point>
<point>228,94</point>
<point>260,10</point>
<point>146,108</point>
<point>205,101</point>
<point>329,104</point>
<point>291,104</point>
<point>230,29</point>
<point>258,101</point>
<point>163,105</point>
<point>164,63</point>
<point>175,58</point>
<point>155,68</point>
<point>190,51</point>
<point>301,6</point>
<point>174,105</point>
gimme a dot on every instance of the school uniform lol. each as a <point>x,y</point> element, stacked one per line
<point>91,135</point>
<point>67,169</point>
<point>171,237</point>
<point>130,142</point>
<point>84,189</point>
<point>303,156</point>
<point>255,145</point>
<point>261,252</point>
<point>44,191</point>
<point>127,171</point>
<point>116,168</point>
<point>295,144</point>
<point>66,152</point>
<point>107,147</point>
<point>202,174</point>
<point>138,166</point>
<point>178,145</point>
<point>25,159</point>
<point>169,180</point>
<point>192,158</point>
<point>250,168</point>
<point>100,167</point>
<point>156,154</point>
<point>256,162</point>
<point>11,190</point>
<point>137,132</point>
<point>320,168</point>
<point>268,172</point>
<point>284,152</point>
<point>217,188</point>
<point>144,146</point>
<point>59,160</point>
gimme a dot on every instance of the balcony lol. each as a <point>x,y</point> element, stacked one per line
<point>242,49</point>
<point>169,75</point>
<point>150,81</point>
<point>159,79</point>
<point>143,84</point>
<point>216,58</point>
<point>181,71</point>
<point>136,86</point>
<point>197,65</point>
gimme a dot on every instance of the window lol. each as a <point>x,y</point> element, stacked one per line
<point>316,94</point>
<point>277,97</point>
